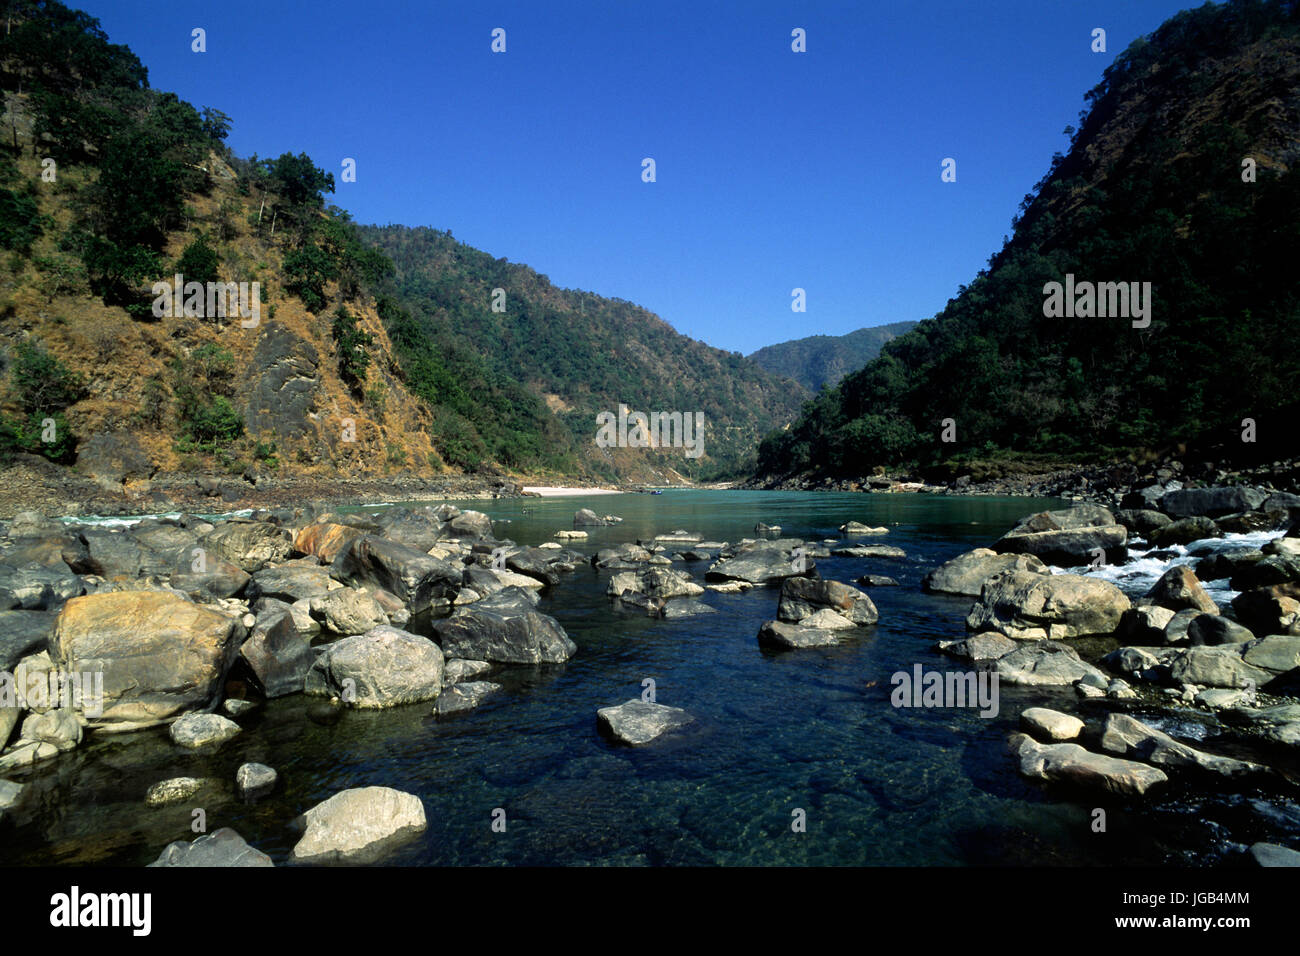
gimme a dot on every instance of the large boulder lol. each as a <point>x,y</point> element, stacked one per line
<point>209,580</point>
<point>1068,537</point>
<point>358,826</point>
<point>966,573</point>
<point>1071,764</point>
<point>38,588</point>
<point>783,636</point>
<point>1274,569</point>
<point>1184,531</point>
<point>1270,610</point>
<point>1127,736</point>
<point>252,545</point>
<point>160,654</point>
<point>22,633</point>
<point>1215,629</point>
<point>471,524</point>
<point>1211,502</point>
<point>1178,589</point>
<point>278,655</point>
<point>504,628</point>
<point>325,540</point>
<point>383,668</point>
<point>348,611</point>
<point>289,583</point>
<point>1044,663</point>
<point>803,597</point>
<point>416,578</point>
<point>663,583</point>
<point>1222,666</point>
<point>1026,606</point>
<point>766,563</point>
<point>586,518</point>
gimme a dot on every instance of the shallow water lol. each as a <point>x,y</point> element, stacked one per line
<point>811,730</point>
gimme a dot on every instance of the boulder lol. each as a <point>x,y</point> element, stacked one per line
<point>472,524</point>
<point>325,540</point>
<point>1044,663</point>
<point>803,597</point>
<point>1051,724</point>
<point>505,629</point>
<point>1277,653</point>
<point>459,669</point>
<point>638,722</point>
<point>1273,854</point>
<point>37,588</point>
<point>251,545</point>
<point>416,578</point>
<point>278,655</point>
<point>586,518</point>
<point>1184,531</point>
<point>1071,764</point>
<point>1066,537</point>
<point>869,551</point>
<point>1141,521</point>
<point>1227,563</point>
<point>385,667</point>
<point>463,696</point>
<point>358,826</point>
<point>1211,502</point>
<point>1178,589</point>
<point>289,583</point>
<point>217,580</point>
<point>966,573</point>
<point>1216,667</point>
<point>57,726</point>
<point>1025,605</point>
<point>661,583</point>
<point>1271,610</point>
<point>202,730</point>
<point>1144,624</point>
<point>1215,629</point>
<point>789,636</point>
<point>160,655</point>
<point>255,780</point>
<point>175,790</point>
<point>1129,737</point>
<point>348,611</point>
<point>23,633</point>
<point>1274,569</point>
<point>222,847</point>
<point>854,528</point>
<point>759,564</point>
<point>987,646</point>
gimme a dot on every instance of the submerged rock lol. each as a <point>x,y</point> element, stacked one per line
<point>638,722</point>
<point>222,847</point>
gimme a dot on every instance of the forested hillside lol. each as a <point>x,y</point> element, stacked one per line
<point>1181,174</point>
<point>819,360</point>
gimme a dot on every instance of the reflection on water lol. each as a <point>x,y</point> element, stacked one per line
<point>774,732</point>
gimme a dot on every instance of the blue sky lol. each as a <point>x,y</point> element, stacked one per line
<point>775,170</point>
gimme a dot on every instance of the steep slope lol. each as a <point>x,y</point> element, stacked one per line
<point>819,360</point>
<point>578,354</point>
<point>1154,189</point>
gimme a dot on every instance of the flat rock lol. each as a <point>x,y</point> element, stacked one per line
<point>465,695</point>
<point>1127,736</point>
<point>1050,724</point>
<point>1071,764</point>
<point>638,722</point>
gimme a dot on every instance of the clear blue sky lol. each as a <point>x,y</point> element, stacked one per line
<point>775,170</point>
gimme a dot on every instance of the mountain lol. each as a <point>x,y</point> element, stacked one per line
<point>818,360</point>
<point>346,361</point>
<point>1181,175</point>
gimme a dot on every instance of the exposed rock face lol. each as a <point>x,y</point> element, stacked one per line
<point>803,597</point>
<point>160,655</point>
<point>1071,764</point>
<point>383,668</point>
<point>283,396</point>
<point>1026,606</point>
<point>966,573</point>
<point>1067,537</point>
<point>112,458</point>
<point>222,847</point>
<point>504,628</point>
<point>358,826</point>
<point>638,722</point>
<point>1178,589</point>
